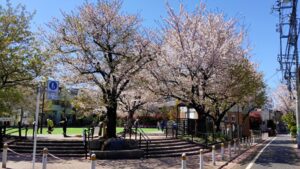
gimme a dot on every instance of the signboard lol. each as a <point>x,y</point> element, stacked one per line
<point>52,89</point>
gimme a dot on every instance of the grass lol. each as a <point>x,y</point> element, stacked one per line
<point>73,131</point>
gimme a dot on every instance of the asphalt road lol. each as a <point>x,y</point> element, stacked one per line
<point>278,153</point>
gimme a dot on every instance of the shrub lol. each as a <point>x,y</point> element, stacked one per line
<point>293,131</point>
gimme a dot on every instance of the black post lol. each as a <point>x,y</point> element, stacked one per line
<point>140,140</point>
<point>26,130</point>
<point>92,130</point>
<point>19,127</point>
<point>135,132</point>
<point>85,144</point>
<point>177,120</point>
<point>147,150</point>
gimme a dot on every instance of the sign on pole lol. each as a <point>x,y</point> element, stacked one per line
<point>52,89</point>
<point>36,124</point>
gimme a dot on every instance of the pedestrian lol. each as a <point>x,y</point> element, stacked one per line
<point>136,123</point>
<point>64,123</point>
<point>50,126</point>
<point>162,125</point>
<point>158,125</point>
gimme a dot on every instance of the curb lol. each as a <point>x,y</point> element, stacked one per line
<point>254,146</point>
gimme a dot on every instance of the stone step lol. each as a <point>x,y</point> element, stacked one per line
<point>165,144</point>
<point>58,155</point>
<point>167,147</point>
<point>176,154</point>
<point>52,141</point>
<point>177,150</point>
<point>55,152</point>
<point>167,140</point>
<point>62,144</point>
<point>49,147</point>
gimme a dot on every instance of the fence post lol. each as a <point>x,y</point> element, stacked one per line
<point>248,142</point>
<point>93,164</point>
<point>234,145</point>
<point>201,159</point>
<point>183,161</point>
<point>239,146</point>
<point>222,151</point>
<point>44,160</point>
<point>229,149</point>
<point>213,155</point>
<point>4,155</point>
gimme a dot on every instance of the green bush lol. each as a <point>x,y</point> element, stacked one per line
<point>293,131</point>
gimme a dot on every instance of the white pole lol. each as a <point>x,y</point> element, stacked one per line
<point>201,159</point>
<point>4,155</point>
<point>213,155</point>
<point>222,151</point>
<point>234,145</point>
<point>183,161</point>
<point>229,149</point>
<point>93,164</point>
<point>44,160</point>
<point>36,124</point>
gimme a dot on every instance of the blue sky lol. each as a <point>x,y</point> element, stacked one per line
<point>255,15</point>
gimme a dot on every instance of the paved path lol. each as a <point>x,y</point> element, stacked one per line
<point>278,153</point>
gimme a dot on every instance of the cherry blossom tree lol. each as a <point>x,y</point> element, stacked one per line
<point>100,45</point>
<point>284,99</point>
<point>137,97</point>
<point>204,62</point>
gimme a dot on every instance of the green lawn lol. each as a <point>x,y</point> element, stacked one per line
<point>76,131</point>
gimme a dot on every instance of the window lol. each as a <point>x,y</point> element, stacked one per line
<point>233,118</point>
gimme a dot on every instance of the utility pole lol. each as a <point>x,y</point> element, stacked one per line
<point>288,28</point>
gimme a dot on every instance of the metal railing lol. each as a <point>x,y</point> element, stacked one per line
<point>88,135</point>
<point>138,133</point>
<point>143,136</point>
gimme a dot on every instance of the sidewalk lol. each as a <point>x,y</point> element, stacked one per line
<point>24,162</point>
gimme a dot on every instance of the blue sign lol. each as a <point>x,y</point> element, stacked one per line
<point>53,85</point>
<point>52,89</point>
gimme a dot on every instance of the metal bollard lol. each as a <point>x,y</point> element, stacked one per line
<point>222,151</point>
<point>201,159</point>
<point>229,149</point>
<point>239,146</point>
<point>248,142</point>
<point>44,160</point>
<point>4,155</point>
<point>213,155</point>
<point>234,145</point>
<point>244,143</point>
<point>93,158</point>
<point>253,138</point>
<point>183,161</point>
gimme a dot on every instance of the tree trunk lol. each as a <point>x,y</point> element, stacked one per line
<point>217,124</point>
<point>201,123</point>
<point>112,121</point>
